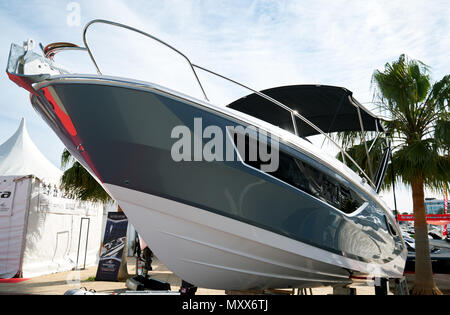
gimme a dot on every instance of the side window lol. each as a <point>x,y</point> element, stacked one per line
<point>309,179</point>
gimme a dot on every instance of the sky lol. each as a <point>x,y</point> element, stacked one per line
<point>260,43</point>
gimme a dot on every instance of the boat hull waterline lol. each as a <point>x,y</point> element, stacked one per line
<point>220,224</point>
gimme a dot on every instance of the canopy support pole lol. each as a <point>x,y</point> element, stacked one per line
<point>365,143</point>
<point>393,183</point>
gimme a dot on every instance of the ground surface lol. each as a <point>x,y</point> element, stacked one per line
<point>59,283</point>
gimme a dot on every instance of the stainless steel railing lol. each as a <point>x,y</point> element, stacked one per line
<point>142,33</point>
<point>293,113</point>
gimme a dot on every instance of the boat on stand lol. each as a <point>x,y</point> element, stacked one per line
<point>252,203</point>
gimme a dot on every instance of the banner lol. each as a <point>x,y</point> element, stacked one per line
<point>112,250</point>
<point>7,189</point>
<point>445,202</point>
<point>445,232</point>
<point>437,219</point>
<point>52,200</point>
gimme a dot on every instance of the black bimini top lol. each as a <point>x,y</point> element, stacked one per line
<point>331,108</point>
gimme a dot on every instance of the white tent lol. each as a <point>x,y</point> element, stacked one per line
<point>20,156</point>
<point>41,231</point>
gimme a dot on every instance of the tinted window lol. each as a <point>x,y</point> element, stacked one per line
<point>307,178</point>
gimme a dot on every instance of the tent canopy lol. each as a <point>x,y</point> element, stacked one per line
<point>331,108</point>
<point>20,156</point>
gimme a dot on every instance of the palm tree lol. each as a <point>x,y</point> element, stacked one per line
<point>419,127</point>
<point>79,182</point>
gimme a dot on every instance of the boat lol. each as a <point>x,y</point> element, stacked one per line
<point>439,252</point>
<point>236,223</point>
<point>113,248</point>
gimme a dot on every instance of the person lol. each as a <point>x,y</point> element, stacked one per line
<point>141,248</point>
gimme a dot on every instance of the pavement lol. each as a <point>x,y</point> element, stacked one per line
<point>59,283</point>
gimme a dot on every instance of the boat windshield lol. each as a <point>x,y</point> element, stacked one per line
<point>311,110</point>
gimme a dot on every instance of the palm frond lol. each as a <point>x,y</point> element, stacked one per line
<point>419,124</point>
<point>78,181</point>
<point>66,158</point>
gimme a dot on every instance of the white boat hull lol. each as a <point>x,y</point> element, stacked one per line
<point>216,252</point>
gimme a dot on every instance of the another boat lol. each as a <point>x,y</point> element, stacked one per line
<point>234,222</point>
<point>439,254</point>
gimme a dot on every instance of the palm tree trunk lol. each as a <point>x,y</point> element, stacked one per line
<point>424,283</point>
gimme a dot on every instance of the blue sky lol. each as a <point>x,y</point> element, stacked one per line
<point>261,43</point>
